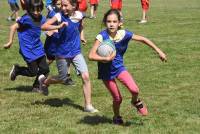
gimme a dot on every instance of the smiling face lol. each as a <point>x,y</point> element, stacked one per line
<point>112,23</point>
<point>67,7</point>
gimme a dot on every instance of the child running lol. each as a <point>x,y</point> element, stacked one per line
<point>53,39</point>
<point>69,49</point>
<point>14,8</point>
<point>31,47</point>
<point>114,68</point>
<point>145,8</point>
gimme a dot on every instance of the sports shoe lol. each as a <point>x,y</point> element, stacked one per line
<point>13,72</point>
<point>43,87</point>
<point>90,109</point>
<point>69,81</point>
<point>9,18</point>
<point>143,21</point>
<point>92,17</point>
<point>141,108</point>
<point>118,120</point>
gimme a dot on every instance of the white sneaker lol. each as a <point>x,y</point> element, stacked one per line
<point>90,109</point>
<point>42,86</point>
<point>9,18</point>
<point>143,21</point>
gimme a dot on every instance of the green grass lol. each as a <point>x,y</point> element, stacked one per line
<point>171,90</point>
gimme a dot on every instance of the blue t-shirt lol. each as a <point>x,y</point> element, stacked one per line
<point>12,1</point>
<point>110,70</point>
<point>70,42</point>
<point>31,47</point>
<point>51,41</point>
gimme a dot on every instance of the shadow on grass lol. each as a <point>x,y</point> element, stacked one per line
<point>56,102</point>
<point>97,119</point>
<point>20,89</point>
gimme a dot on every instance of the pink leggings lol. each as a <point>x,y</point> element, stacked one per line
<point>126,79</point>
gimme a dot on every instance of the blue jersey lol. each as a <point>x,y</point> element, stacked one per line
<point>31,47</point>
<point>51,41</point>
<point>12,1</point>
<point>110,70</point>
<point>70,43</point>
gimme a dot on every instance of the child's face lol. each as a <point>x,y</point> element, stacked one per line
<point>67,7</point>
<point>112,23</point>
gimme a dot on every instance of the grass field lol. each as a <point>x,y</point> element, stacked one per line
<point>171,90</point>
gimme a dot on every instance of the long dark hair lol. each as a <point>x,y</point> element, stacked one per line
<point>74,3</point>
<point>109,12</point>
<point>35,5</point>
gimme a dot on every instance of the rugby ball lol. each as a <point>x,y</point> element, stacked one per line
<point>106,48</point>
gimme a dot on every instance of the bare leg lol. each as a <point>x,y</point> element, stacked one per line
<point>91,11</point>
<point>86,88</point>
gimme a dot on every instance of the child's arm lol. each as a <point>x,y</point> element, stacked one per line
<point>95,57</point>
<point>13,29</point>
<point>47,26</point>
<point>83,40</point>
<point>150,44</point>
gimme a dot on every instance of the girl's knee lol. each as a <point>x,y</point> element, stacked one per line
<point>33,72</point>
<point>135,90</point>
<point>85,77</point>
<point>117,100</point>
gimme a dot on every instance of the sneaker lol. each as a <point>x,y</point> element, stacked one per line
<point>118,120</point>
<point>143,21</point>
<point>69,81</point>
<point>13,72</point>
<point>43,87</point>
<point>141,108</point>
<point>91,17</point>
<point>90,109</point>
<point>9,18</point>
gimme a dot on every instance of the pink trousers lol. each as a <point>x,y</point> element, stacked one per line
<point>126,79</point>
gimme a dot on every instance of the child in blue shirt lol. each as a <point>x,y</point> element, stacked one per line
<point>53,39</point>
<point>31,47</point>
<point>69,49</point>
<point>14,8</point>
<point>112,67</point>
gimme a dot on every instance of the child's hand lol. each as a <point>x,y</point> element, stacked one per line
<point>8,45</point>
<point>49,33</point>
<point>63,24</point>
<point>162,56</point>
<point>110,58</point>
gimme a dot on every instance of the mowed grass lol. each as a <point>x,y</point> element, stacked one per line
<point>170,90</point>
